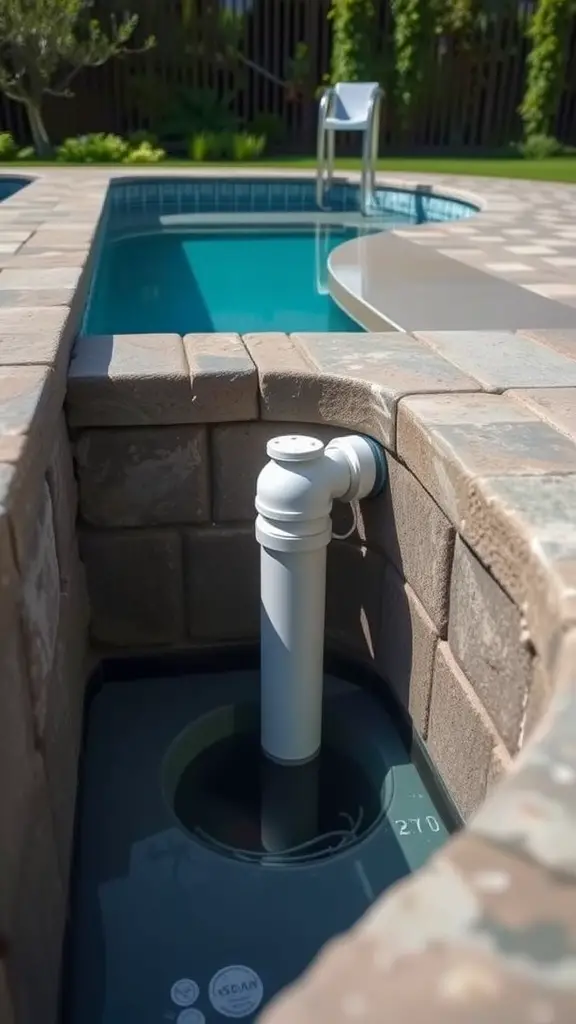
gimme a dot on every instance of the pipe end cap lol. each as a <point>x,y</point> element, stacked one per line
<point>294,448</point>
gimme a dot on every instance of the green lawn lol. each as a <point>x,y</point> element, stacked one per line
<point>557,169</point>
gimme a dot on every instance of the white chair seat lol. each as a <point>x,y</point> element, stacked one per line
<point>337,124</point>
<point>351,106</point>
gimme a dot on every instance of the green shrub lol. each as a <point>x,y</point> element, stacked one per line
<point>193,112</point>
<point>145,153</point>
<point>27,153</point>
<point>8,148</point>
<point>199,147</point>
<point>136,138</point>
<point>540,147</point>
<point>247,147</point>
<point>98,148</point>
<point>211,146</point>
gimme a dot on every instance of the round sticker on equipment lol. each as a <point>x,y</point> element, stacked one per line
<point>191,1016</point>
<point>236,991</point>
<point>184,992</point>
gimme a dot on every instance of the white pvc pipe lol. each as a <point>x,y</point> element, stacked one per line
<point>294,499</point>
<point>293,601</point>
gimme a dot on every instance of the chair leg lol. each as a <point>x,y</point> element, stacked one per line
<point>365,174</point>
<point>320,164</point>
<point>331,151</point>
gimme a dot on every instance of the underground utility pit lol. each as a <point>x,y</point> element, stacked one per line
<point>207,877</point>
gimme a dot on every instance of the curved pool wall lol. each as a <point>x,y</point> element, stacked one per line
<point>10,184</point>
<point>168,196</point>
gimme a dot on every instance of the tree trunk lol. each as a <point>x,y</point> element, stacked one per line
<point>40,138</point>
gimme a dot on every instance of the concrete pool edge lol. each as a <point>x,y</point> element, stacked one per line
<point>502,876</point>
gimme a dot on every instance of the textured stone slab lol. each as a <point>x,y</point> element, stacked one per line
<point>64,496</point>
<point>502,360</point>
<point>49,258</point>
<point>30,349</point>
<point>143,476</point>
<point>378,370</point>
<point>558,340</point>
<point>222,582</point>
<point>411,531</point>
<point>41,606</point>
<point>461,926</point>
<point>224,378</point>
<point>533,811</point>
<point>524,531</point>
<point>129,380</point>
<point>16,730</point>
<point>485,633</point>
<point>461,736</point>
<point>135,586</point>
<point>34,279</point>
<point>12,448</point>
<point>30,401</point>
<point>286,375</point>
<point>32,320</point>
<point>62,238</point>
<point>36,297</point>
<point>62,736</point>
<point>449,440</point>
<point>25,395</point>
<point>555,405</point>
<point>406,645</point>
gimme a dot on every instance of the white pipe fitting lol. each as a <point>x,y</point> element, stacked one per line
<point>294,497</point>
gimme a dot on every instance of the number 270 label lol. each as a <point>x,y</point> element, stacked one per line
<point>415,826</point>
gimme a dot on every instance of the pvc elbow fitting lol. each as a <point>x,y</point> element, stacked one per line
<point>296,489</point>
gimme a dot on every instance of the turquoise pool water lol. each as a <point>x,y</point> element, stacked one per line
<point>241,280</point>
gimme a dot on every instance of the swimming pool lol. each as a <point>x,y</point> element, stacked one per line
<point>9,186</point>
<point>237,255</point>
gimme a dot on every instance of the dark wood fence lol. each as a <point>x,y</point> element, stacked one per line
<point>272,67</point>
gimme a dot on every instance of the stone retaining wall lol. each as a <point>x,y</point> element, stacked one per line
<point>43,661</point>
<point>169,437</point>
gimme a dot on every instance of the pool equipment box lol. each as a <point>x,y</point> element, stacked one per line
<point>184,911</point>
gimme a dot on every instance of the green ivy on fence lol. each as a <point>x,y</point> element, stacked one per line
<point>353,24</point>
<point>548,33</point>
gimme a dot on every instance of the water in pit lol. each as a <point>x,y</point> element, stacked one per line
<point>206,879</point>
<point>235,800</point>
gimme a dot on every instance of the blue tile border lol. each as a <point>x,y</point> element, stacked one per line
<point>280,195</point>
